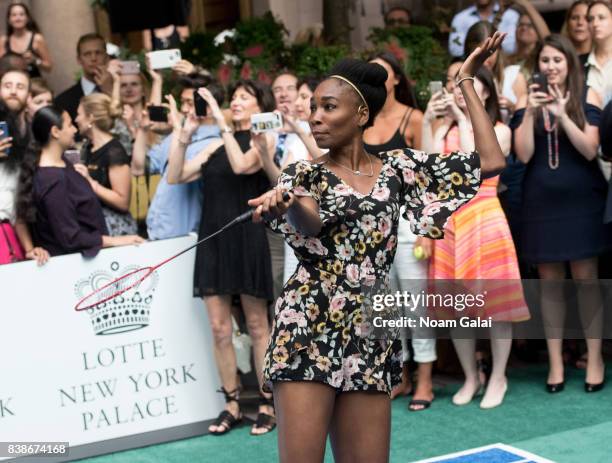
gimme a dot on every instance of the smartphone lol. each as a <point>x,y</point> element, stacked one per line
<point>199,104</point>
<point>435,86</point>
<point>541,80</point>
<point>5,133</point>
<point>73,156</point>
<point>264,122</point>
<point>158,113</point>
<point>163,59</point>
<point>130,67</point>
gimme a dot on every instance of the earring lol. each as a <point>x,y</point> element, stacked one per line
<point>89,126</point>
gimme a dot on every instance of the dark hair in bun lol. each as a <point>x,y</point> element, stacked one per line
<point>369,78</point>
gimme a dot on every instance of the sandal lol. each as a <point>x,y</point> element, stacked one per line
<point>423,404</point>
<point>265,421</point>
<point>225,418</point>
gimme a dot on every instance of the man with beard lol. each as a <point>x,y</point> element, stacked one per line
<point>14,92</point>
<point>15,239</point>
<point>483,10</point>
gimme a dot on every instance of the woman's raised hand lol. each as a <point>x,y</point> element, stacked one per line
<point>436,106</point>
<point>559,102</point>
<point>212,104</point>
<point>271,204</point>
<point>477,58</point>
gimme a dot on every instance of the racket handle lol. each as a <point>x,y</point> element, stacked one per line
<point>249,214</point>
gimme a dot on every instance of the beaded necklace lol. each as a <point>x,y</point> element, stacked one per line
<point>553,157</point>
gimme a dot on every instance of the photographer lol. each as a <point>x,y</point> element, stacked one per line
<point>564,194</point>
<point>238,262</point>
<point>175,209</point>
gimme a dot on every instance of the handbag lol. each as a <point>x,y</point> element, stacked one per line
<point>242,346</point>
<point>10,248</point>
<point>118,223</point>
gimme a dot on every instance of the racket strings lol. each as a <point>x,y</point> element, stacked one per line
<point>113,289</point>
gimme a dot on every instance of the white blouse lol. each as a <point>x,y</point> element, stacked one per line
<point>600,78</point>
<point>8,193</point>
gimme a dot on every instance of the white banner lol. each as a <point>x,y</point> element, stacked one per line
<point>143,363</point>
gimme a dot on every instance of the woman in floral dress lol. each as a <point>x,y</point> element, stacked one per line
<point>341,219</point>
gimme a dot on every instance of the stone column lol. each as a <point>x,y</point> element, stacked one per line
<point>62,23</point>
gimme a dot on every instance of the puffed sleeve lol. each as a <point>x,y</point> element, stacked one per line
<point>434,186</point>
<point>301,178</point>
<point>117,156</point>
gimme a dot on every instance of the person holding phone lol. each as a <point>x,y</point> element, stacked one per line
<point>328,376</point>
<point>236,264</point>
<point>15,238</point>
<point>164,219</point>
<point>556,135</point>
<point>132,91</point>
<point>58,203</point>
<point>478,243</point>
<point>106,163</point>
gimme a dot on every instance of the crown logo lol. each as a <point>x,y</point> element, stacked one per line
<point>127,312</point>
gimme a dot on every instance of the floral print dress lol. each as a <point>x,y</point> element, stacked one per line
<point>319,331</point>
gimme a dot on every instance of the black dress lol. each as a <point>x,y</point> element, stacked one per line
<point>563,209</point>
<point>236,261</point>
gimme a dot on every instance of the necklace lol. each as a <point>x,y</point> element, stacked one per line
<point>355,172</point>
<point>553,158</point>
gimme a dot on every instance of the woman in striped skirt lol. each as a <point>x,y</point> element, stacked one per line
<point>477,245</point>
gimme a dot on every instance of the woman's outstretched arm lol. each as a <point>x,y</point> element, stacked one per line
<point>492,160</point>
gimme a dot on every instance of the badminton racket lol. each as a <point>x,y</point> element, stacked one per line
<point>134,278</point>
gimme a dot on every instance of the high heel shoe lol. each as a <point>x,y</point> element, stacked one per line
<point>554,388</point>
<point>589,387</point>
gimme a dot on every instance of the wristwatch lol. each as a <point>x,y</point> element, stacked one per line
<point>226,129</point>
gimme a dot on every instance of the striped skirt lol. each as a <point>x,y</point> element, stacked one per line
<point>478,247</point>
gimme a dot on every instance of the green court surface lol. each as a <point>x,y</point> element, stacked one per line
<point>569,427</point>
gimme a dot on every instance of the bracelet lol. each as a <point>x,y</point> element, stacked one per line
<point>464,78</point>
<point>226,129</point>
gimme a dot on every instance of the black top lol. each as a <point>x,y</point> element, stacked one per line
<point>32,68</point>
<point>68,213</point>
<point>100,161</point>
<point>397,141</point>
<point>165,43</point>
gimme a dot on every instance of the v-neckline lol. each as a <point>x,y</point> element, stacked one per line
<point>356,192</point>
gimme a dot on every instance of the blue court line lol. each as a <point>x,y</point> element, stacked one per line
<point>494,455</point>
